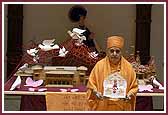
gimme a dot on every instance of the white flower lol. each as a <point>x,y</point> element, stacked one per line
<point>48,45</point>
<point>62,52</point>
<point>24,67</point>
<point>93,54</point>
<point>32,52</point>
<point>36,58</point>
<point>77,35</point>
<point>78,31</point>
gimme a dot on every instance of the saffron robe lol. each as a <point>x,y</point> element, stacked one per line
<point>103,69</point>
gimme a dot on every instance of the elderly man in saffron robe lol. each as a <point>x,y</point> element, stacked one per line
<point>113,62</point>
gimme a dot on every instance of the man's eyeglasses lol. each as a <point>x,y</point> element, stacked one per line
<point>113,50</point>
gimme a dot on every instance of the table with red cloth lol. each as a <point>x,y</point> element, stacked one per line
<point>35,101</point>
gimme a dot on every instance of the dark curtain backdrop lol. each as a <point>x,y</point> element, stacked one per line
<point>14,36</point>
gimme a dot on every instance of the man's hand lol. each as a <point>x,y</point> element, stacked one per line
<point>98,94</point>
<point>128,97</point>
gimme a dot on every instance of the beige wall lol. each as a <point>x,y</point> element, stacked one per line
<point>43,21</point>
